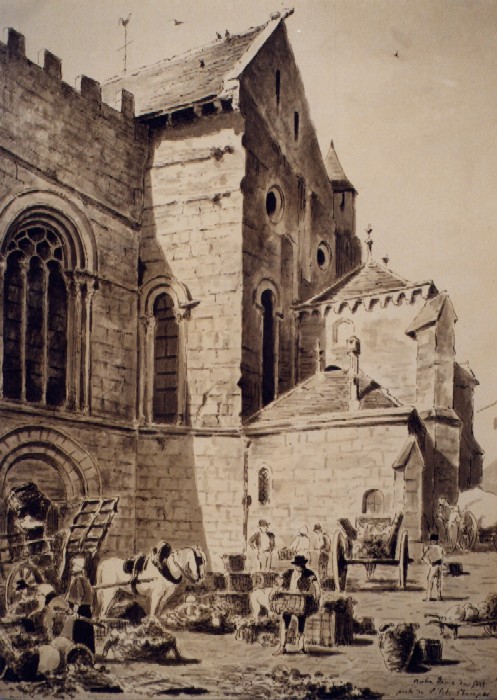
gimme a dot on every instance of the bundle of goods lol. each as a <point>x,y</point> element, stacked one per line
<point>198,617</point>
<point>294,603</point>
<point>464,612</point>
<point>264,632</point>
<point>147,642</point>
<point>333,626</point>
<point>396,643</point>
<point>455,568</point>
<point>233,563</point>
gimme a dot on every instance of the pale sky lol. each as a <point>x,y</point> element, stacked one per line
<point>416,133</point>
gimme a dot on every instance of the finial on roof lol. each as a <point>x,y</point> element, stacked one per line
<point>369,241</point>
<point>386,259</point>
<point>332,145</point>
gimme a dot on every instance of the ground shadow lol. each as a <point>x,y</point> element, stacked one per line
<point>164,662</point>
<point>360,642</point>
<point>190,690</point>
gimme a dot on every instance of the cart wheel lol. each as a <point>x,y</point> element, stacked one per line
<point>468,532</point>
<point>79,655</point>
<point>403,559</point>
<point>21,571</point>
<point>338,562</point>
<point>491,629</point>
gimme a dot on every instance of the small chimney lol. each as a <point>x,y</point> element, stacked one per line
<point>353,351</point>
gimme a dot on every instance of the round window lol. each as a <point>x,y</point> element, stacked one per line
<point>323,255</point>
<point>274,204</point>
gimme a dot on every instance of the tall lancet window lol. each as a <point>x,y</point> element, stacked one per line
<point>268,347</point>
<point>166,355</point>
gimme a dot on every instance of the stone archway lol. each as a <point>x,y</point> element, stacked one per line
<point>51,458</point>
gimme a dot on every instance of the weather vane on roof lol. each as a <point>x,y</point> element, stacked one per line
<point>124,48</point>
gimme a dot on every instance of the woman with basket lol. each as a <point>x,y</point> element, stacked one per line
<point>298,597</point>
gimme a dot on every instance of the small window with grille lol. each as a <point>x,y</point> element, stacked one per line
<point>263,486</point>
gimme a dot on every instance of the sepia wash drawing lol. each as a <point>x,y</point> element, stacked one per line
<point>236,449</point>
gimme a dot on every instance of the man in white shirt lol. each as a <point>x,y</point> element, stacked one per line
<point>433,556</point>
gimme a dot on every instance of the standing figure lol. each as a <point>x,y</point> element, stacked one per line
<point>263,541</point>
<point>453,527</point>
<point>300,579</point>
<point>301,545</point>
<point>442,519</point>
<point>433,557</point>
<point>80,598</point>
<point>322,545</point>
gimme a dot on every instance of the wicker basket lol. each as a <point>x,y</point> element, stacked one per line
<point>285,554</point>
<point>294,603</point>
<point>110,624</point>
<point>233,563</point>
<point>240,583</point>
<point>264,579</point>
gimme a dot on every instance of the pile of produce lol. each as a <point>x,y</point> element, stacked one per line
<point>147,642</point>
<point>198,617</point>
<point>316,687</point>
<point>264,631</point>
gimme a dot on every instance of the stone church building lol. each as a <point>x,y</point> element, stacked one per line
<point>187,320</point>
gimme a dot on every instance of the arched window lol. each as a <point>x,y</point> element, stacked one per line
<point>35,316</point>
<point>165,390</point>
<point>263,486</point>
<point>268,347</point>
<point>372,502</point>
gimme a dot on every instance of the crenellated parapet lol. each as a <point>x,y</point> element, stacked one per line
<point>89,90</point>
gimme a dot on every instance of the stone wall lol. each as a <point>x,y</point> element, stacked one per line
<point>320,475</point>
<point>192,233</point>
<point>190,491</point>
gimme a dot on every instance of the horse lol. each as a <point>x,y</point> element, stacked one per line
<point>161,571</point>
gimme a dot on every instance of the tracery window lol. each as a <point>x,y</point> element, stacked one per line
<point>45,313</point>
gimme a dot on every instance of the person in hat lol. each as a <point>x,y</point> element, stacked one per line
<point>302,580</point>
<point>433,557</point>
<point>302,544</point>
<point>322,546</point>
<point>263,541</point>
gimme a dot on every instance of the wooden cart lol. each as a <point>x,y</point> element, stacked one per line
<point>373,541</point>
<point>489,626</point>
<point>43,559</point>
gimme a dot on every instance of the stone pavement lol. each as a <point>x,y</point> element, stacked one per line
<point>220,667</point>
<point>228,668</point>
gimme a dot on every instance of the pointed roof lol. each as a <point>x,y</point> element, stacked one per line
<point>406,452</point>
<point>430,313</point>
<point>366,280</point>
<point>195,77</point>
<point>323,393</point>
<point>336,174</point>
